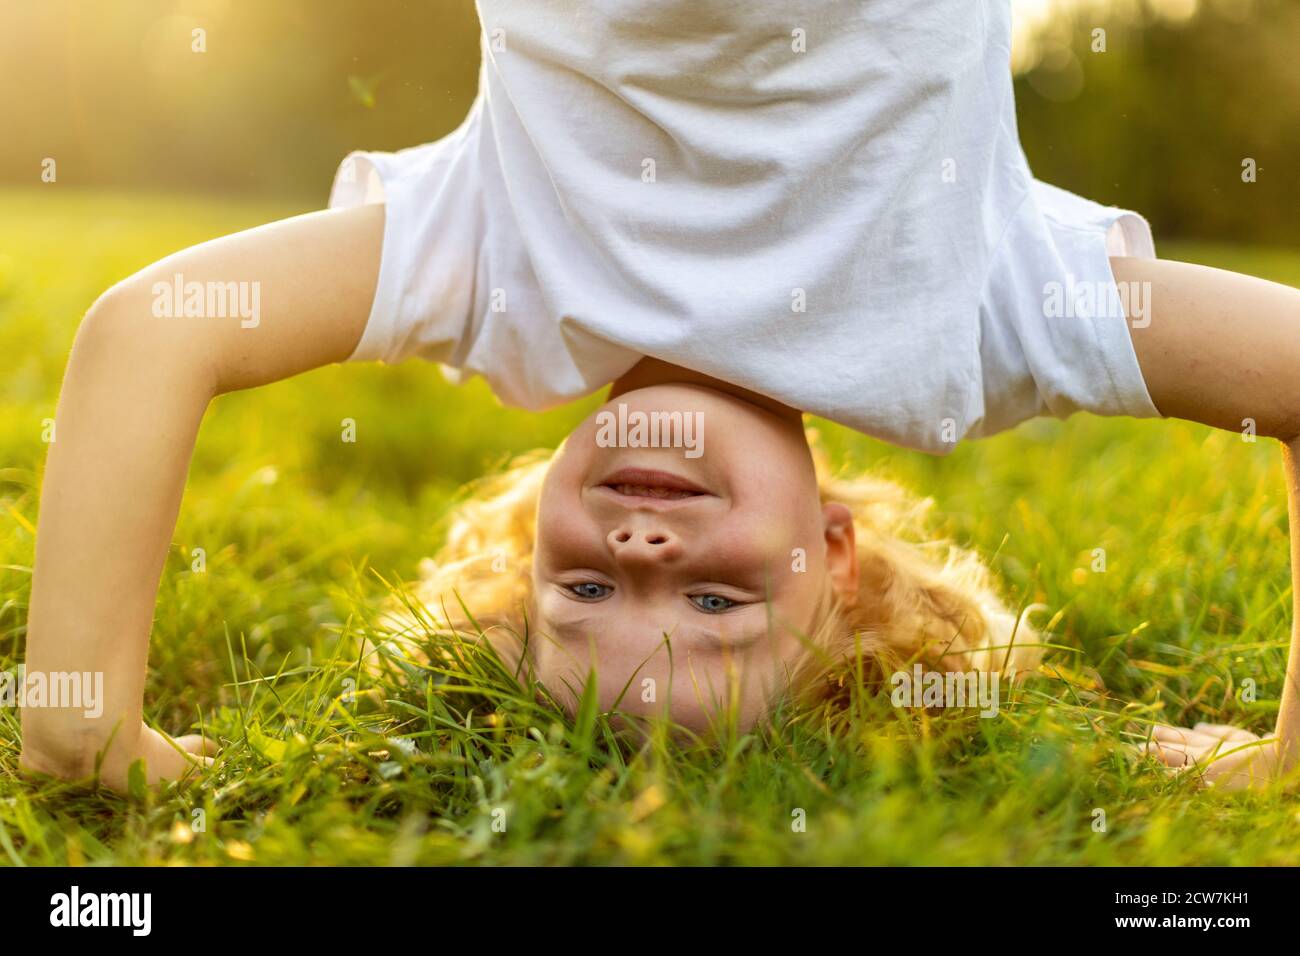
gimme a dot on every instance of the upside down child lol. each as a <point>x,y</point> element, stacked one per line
<point>732,215</point>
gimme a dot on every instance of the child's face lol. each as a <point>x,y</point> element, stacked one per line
<point>723,546</point>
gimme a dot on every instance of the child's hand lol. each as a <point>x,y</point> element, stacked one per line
<point>1223,756</point>
<point>165,758</point>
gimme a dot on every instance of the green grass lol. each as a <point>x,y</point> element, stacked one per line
<point>298,526</point>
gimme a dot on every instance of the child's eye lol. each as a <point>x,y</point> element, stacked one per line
<point>590,590</point>
<point>712,603</point>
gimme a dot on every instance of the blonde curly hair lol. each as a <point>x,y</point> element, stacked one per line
<point>920,599</point>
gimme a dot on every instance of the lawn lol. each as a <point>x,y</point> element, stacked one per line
<point>300,531</point>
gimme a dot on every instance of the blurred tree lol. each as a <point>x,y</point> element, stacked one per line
<point>120,96</point>
<point>1163,120</point>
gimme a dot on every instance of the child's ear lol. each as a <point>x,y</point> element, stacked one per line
<point>841,551</point>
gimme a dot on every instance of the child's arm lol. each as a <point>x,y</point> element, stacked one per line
<point>1222,348</point>
<point>134,393</point>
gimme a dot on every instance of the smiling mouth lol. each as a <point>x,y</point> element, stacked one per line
<point>650,491</point>
<point>643,483</point>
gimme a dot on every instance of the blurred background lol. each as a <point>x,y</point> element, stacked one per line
<point>1160,121</point>
<point>158,148</point>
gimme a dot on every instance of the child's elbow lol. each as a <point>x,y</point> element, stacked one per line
<point>118,319</point>
<point>122,333</point>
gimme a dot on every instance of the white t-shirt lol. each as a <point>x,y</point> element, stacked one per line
<point>824,202</point>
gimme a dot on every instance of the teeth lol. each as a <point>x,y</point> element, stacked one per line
<point>646,491</point>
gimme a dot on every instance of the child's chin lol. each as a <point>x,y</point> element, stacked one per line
<point>683,729</point>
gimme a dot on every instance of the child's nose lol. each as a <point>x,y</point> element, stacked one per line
<point>629,544</point>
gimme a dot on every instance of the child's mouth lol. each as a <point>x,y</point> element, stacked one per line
<point>643,483</point>
<point>650,491</point>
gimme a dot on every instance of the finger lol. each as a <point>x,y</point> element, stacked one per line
<point>198,744</point>
<point>1183,736</point>
<point>1205,746</point>
<point>191,768</point>
<point>1232,782</point>
<point>1226,732</point>
<point>1234,773</point>
<point>1169,734</point>
<point>1170,754</point>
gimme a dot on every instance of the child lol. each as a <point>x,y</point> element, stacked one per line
<point>734,215</point>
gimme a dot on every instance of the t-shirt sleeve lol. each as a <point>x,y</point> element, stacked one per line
<point>425,298</point>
